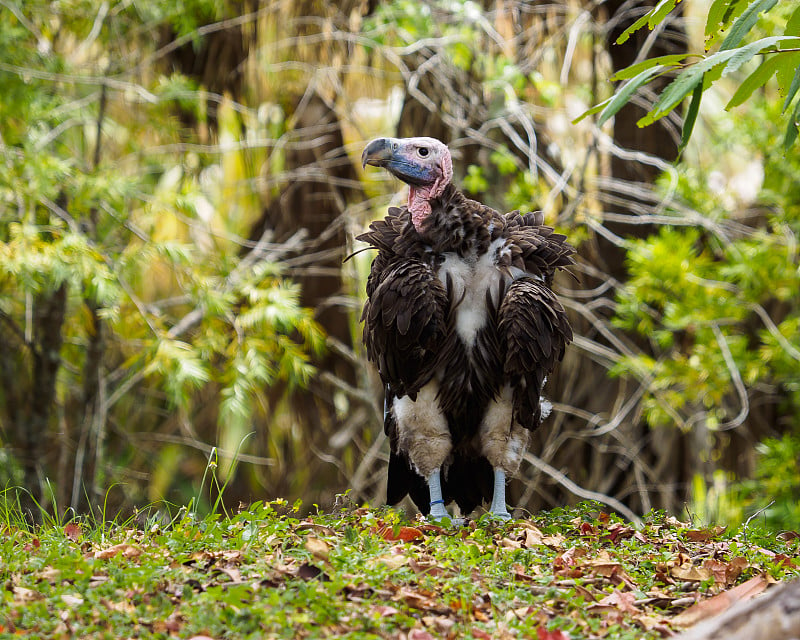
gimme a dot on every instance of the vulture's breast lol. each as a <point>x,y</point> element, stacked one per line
<point>475,284</point>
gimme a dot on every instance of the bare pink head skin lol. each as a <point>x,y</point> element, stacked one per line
<point>424,164</point>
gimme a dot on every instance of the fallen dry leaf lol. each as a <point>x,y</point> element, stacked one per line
<point>619,531</point>
<point>688,571</point>
<point>72,531</point>
<point>533,537</point>
<point>232,555</point>
<point>232,572</point>
<point>123,606</point>
<point>50,574</point>
<point>404,534</point>
<point>71,600</point>
<point>126,550</point>
<point>782,560</point>
<point>318,547</point>
<point>425,566</point>
<point>622,600</point>
<point>544,634</point>
<point>415,598</point>
<point>720,602</point>
<point>440,623</point>
<point>606,566</point>
<point>725,573</point>
<point>508,543</point>
<point>23,594</point>
<point>313,526</point>
<point>788,536</point>
<point>704,535</point>
<point>308,572</point>
<point>392,560</point>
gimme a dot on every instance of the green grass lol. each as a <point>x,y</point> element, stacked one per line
<point>269,572</point>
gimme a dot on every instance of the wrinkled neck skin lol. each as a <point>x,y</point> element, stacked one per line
<point>419,205</point>
<point>419,198</point>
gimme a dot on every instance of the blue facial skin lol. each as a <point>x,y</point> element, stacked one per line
<point>392,156</point>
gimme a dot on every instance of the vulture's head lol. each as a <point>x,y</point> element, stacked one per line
<point>422,163</point>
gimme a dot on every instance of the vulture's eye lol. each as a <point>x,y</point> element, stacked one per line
<point>422,151</point>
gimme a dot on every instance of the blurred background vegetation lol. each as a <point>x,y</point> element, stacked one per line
<point>181,184</point>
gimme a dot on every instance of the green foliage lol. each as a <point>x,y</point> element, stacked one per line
<point>771,497</point>
<point>475,181</point>
<point>701,297</point>
<point>146,244</point>
<point>730,21</point>
<point>777,481</point>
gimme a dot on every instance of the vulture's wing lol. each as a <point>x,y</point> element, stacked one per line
<point>532,323</point>
<point>535,330</point>
<point>405,320</point>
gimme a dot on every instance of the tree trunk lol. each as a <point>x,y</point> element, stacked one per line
<point>48,320</point>
<point>775,615</point>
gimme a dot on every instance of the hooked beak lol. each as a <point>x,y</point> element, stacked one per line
<point>377,153</point>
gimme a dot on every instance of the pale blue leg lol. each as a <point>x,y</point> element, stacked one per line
<point>498,509</point>
<point>437,501</point>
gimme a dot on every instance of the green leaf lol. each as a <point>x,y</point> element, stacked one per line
<point>792,90</point>
<point>633,28</point>
<point>624,94</point>
<point>789,63</point>
<point>651,18</point>
<point>595,109</point>
<point>745,22</point>
<point>745,53</point>
<point>755,80</point>
<point>715,13</point>
<point>720,15</point>
<point>792,128</point>
<point>793,23</point>
<point>635,69</point>
<point>679,88</point>
<point>691,116</point>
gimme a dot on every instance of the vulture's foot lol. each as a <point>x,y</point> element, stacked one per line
<point>503,515</point>
<point>438,513</point>
<point>445,520</point>
<point>498,509</point>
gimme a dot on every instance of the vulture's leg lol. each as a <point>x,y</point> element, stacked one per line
<point>422,432</point>
<point>437,501</point>
<point>503,442</point>
<point>498,508</point>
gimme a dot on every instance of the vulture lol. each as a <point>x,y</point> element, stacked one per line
<point>463,326</point>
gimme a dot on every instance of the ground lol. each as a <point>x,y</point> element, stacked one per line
<point>356,572</point>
